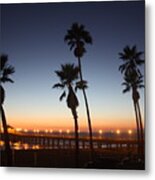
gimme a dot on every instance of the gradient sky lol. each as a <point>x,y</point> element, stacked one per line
<point>33,37</point>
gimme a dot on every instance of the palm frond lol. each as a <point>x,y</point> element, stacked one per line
<point>8,70</point>
<point>58,85</point>
<point>81,85</point>
<point>141,86</point>
<point>139,81</point>
<point>6,79</point>
<point>127,89</point>
<point>62,96</point>
<point>5,70</point>
<point>138,54</point>
<point>71,44</point>
<point>134,49</point>
<point>122,56</point>
<point>3,61</point>
<point>123,67</point>
<point>140,62</point>
<point>125,84</point>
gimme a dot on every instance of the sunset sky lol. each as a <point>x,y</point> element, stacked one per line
<point>33,38</point>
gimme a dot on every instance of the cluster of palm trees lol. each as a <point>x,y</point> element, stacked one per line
<point>76,38</point>
<point>133,80</point>
<point>71,78</point>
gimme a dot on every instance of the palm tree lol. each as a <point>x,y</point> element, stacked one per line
<point>133,80</point>
<point>132,60</point>
<point>76,38</point>
<point>5,72</point>
<point>67,75</point>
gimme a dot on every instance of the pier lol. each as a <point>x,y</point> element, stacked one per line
<point>68,142</point>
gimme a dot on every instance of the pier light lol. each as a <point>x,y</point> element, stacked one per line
<point>51,130</point>
<point>100,131</point>
<point>1,143</point>
<point>46,130</point>
<point>129,131</point>
<point>26,146</point>
<point>37,131</point>
<point>118,131</point>
<point>68,131</point>
<point>60,131</point>
<point>25,130</point>
<point>18,129</point>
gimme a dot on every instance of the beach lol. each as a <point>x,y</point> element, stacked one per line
<point>65,158</point>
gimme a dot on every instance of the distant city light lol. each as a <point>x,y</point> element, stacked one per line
<point>118,131</point>
<point>46,130</point>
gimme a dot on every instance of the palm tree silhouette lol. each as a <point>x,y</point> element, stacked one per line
<point>76,38</point>
<point>132,60</point>
<point>67,75</point>
<point>5,72</point>
<point>133,81</point>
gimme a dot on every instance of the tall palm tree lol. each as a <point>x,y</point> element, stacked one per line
<point>67,76</point>
<point>5,72</point>
<point>133,80</point>
<point>77,37</point>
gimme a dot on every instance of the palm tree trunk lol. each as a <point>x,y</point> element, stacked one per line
<point>6,139</point>
<point>140,122</point>
<point>87,110</point>
<point>141,129</point>
<point>76,138</point>
<point>138,127</point>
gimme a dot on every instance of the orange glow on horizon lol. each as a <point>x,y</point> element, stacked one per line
<point>52,124</point>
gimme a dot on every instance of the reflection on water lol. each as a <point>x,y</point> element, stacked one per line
<point>25,146</point>
<point>20,146</point>
<point>1,144</point>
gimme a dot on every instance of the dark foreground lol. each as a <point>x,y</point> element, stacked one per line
<point>62,158</point>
